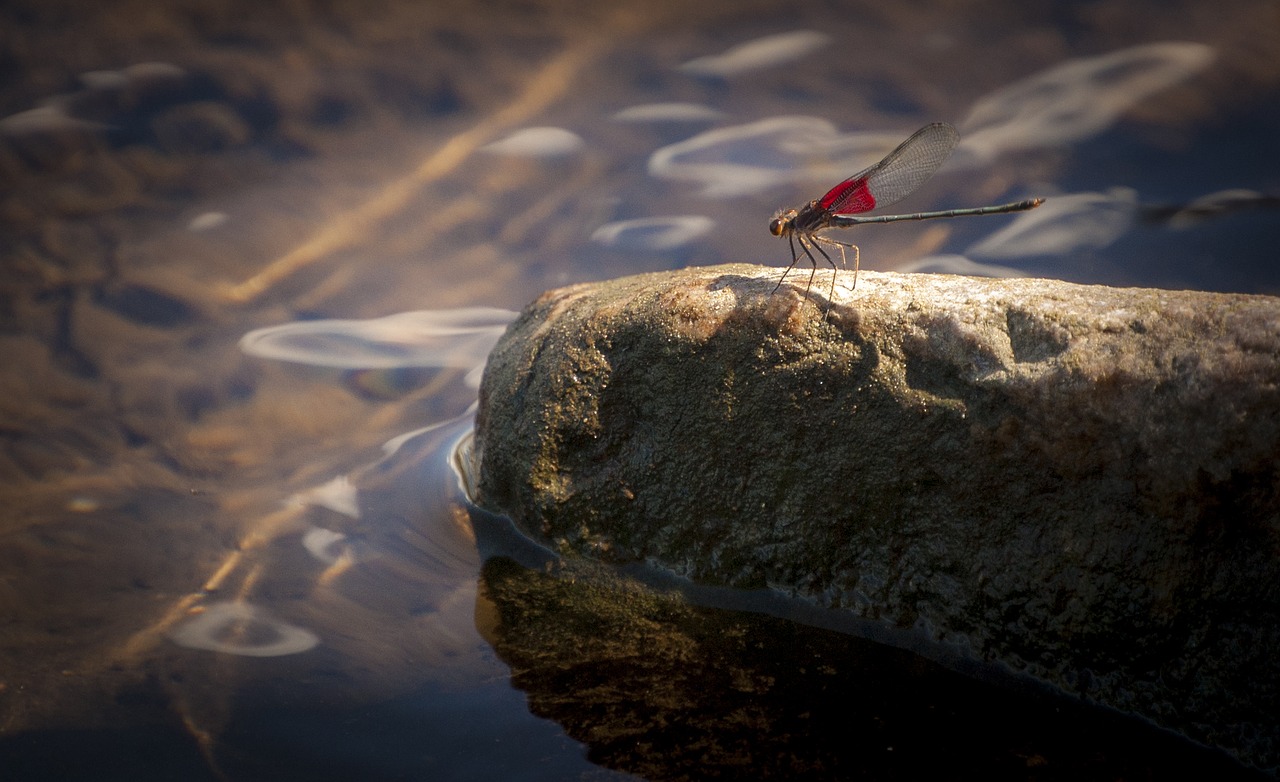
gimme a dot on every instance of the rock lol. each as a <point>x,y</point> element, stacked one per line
<point>1080,483</point>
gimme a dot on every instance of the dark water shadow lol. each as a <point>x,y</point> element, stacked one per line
<point>660,684</point>
<point>433,733</point>
<point>127,754</point>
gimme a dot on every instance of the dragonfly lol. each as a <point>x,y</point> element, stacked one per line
<point>897,176</point>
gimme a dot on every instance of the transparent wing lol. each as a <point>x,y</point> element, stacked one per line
<point>897,176</point>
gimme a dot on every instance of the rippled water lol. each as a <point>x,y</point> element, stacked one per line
<point>255,257</point>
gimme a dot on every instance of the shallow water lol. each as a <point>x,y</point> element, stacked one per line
<point>254,258</point>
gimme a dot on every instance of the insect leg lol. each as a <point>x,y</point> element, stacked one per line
<point>791,240</point>
<point>818,241</point>
<point>807,244</point>
<point>844,264</point>
<point>857,260</point>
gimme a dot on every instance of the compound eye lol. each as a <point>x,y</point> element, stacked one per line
<point>775,226</point>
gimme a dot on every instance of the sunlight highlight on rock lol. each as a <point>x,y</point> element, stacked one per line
<point>244,630</point>
<point>1064,224</point>
<point>537,142</point>
<point>750,158</point>
<point>653,233</point>
<point>1075,100</point>
<point>458,338</point>
<point>758,54</point>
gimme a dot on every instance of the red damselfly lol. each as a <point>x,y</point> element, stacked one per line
<point>887,182</point>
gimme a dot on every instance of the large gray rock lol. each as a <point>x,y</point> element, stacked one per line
<point>1080,482</point>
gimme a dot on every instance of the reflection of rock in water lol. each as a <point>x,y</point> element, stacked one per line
<point>667,690</point>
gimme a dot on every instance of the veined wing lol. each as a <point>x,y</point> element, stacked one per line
<point>897,176</point>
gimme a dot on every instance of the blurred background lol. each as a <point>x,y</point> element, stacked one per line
<point>253,256</point>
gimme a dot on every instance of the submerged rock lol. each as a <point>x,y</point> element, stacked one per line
<point>1081,483</point>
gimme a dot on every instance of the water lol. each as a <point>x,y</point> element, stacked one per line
<point>254,259</point>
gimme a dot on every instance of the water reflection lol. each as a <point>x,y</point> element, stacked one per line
<point>758,54</point>
<point>653,233</point>
<point>426,339</point>
<point>1062,105</point>
<point>207,221</point>
<point>537,143</point>
<point>958,264</point>
<point>1075,100</point>
<point>325,545</point>
<point>1218,204</point>
<point>242,629</point>
<point>458,338</point>
<point>338,494</point>
<point>1059,106</point>
<point>1063,224</point>
<point>669,112</point>
<point>668,689</point>
<point>365,580</point>
<point>101,102</point>
<point>743,159</point>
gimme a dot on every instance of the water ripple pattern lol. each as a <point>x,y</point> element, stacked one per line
<point>653,233</point>
<point>537,143</point>
<point>958,264</point>
<point>353,524</point>
<point>750,158</point>
<point>244,630</point>
<point>1064,225</point>
<point>1058,106</point>
<point>1075,100</point>
<point>758,54</point>
<point>61,113</point>
<point>669,112</point>
<point>459,338</point>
